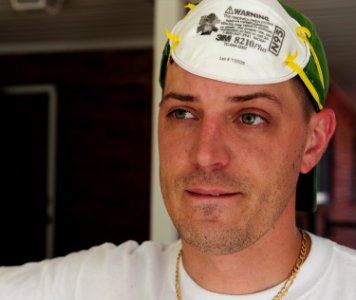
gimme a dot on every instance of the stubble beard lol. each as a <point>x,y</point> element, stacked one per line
<point>223,239</point>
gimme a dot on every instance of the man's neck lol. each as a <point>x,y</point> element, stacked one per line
<point>260,266</point>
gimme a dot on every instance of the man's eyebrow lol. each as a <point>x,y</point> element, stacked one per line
<point>235,98</point>
<point>243,98</point>
<point>179,97</point>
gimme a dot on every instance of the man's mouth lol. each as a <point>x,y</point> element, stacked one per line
<point>210,193</point>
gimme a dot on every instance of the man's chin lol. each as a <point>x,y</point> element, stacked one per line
<point>212,238</point>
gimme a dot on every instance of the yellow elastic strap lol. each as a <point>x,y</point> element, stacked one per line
<point>175,39</point>
<point>290,63</point>
<point>190,6</point>
<point>304,33</point>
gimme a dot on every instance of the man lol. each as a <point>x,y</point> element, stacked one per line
<point>242,125</point>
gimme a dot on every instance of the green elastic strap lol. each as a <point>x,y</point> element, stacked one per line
<point>163,69</point>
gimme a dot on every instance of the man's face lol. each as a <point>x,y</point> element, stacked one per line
<point>230,156</point>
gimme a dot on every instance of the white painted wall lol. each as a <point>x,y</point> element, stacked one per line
<point>166,14</point>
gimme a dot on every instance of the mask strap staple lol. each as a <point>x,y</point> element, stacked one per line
<point>190,6</point>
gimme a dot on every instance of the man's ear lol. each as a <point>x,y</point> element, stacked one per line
<point>321,128</point>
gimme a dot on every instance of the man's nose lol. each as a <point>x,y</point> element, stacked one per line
<point>210,150</point>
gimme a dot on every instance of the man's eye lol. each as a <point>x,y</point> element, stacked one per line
<point>251,119</point>
<point>181,114</point>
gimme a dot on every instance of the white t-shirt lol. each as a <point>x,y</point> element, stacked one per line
<point>147,272</point>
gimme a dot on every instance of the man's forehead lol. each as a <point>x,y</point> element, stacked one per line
<point>177,76</point>
<point>185,86</point>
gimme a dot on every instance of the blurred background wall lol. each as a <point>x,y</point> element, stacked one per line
<point>79,93</point>
<point>95,56</point>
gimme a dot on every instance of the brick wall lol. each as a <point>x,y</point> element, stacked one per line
<point>341,212</point>
<point>104,134</point>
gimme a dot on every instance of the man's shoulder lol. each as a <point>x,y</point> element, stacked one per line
<point>106,269</point>
<point>128,268</point>
<point>330,260</point>
<point>98,257</point>
<point>344,259</point>
<point>338,251</point>
<point>328,272</point>
<point>132,251</point>
<point>132,248</point>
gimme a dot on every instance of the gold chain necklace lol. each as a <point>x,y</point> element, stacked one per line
<point>282,292</point>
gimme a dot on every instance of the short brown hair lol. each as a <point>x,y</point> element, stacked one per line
<point>305,97</point>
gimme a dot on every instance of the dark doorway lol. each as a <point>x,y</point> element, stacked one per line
<point>23,201</point>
